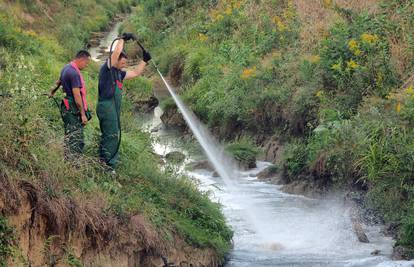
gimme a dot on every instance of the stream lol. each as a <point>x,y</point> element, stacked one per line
<point>298,231</point>
<point>272,228</point>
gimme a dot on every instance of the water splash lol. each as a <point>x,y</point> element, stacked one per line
<point>224,165</point>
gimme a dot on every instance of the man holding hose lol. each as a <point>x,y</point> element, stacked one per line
<point>108,109</point>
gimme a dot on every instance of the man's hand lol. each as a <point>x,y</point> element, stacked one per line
<point>128,36</point>
<point>84,119</point>
<point>146,56</point>
<point>52,94</point>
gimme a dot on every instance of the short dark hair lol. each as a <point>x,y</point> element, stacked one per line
<point>83,54</point>
<point>122,55</point>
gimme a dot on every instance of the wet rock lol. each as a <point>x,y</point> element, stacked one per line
<point>302,187</point>
<point>201,165</point>
<point>376,252</point>
<point>247,164</point>
<point>159,158</point>
<point>391,229</point>
<point>172,118</point>
<point>270,173</point>
<point>401,253</point>
<point>359,231</point>
<point>355,201</point>
<point>273,150</point>
<point>146,106</point>
<point>175,157</point>
<point>215,174</point>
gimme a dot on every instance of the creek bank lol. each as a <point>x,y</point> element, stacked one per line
<point>51,229</point>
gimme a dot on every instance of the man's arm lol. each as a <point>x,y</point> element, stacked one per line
<point>79,104</point>
<point>58,84</point>
<point>136,72</point>
<point>117,51</point>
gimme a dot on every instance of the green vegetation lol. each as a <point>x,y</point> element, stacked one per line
<point>244,151</point>
<point>7,241</point>
<point>31,131</point>
<point>342,106</point>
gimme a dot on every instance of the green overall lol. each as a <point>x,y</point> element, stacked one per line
<point>108,111</point>
<point>73,127</point>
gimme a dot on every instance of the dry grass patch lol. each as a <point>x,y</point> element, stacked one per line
<point>317,16</point>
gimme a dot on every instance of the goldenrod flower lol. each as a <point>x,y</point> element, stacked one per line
<point>369,38</point>
<point>30,33</point>
<point>352,64</point>
<point>353,45</point>
<point>389,96</point>
<point>410,90</point>
<point>336,67</point>
<point>357,52</point>
<point>319,93</point>
<point>314,58</point>
<point>228,10</point>
<point>202,37</point>
<point>249,72</point>
<point>279,24</point>
<point>237,5</point>
<point>327,3</point>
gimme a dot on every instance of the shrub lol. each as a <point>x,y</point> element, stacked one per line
<point>244,151</point>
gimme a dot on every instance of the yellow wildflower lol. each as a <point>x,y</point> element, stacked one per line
<point>357,52</point>
<point>336,67</point>
<point>398,107</point>
<point>249,72</point>
<point>319,93</point>
<point>237,5</point>
<point>216,16</point>
<point>202,37</point>
<point>353,45</point>
<point>390,96</point>
<point>219,17</point>
<point>289,12</point>
<point>314,59</point>
<point>327,3</point>
<point>30,33</point>
<point>369,38</point>
<point>410,90</point>
<point>279,24</point>
<point>352,64</point>
<point>228,10</point>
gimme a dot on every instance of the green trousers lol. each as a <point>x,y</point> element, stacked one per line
<point>74,139</point>
<point>108,111</point>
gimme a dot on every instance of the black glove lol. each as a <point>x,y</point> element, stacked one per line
<point>128,36</point>
<point>146,56</point>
